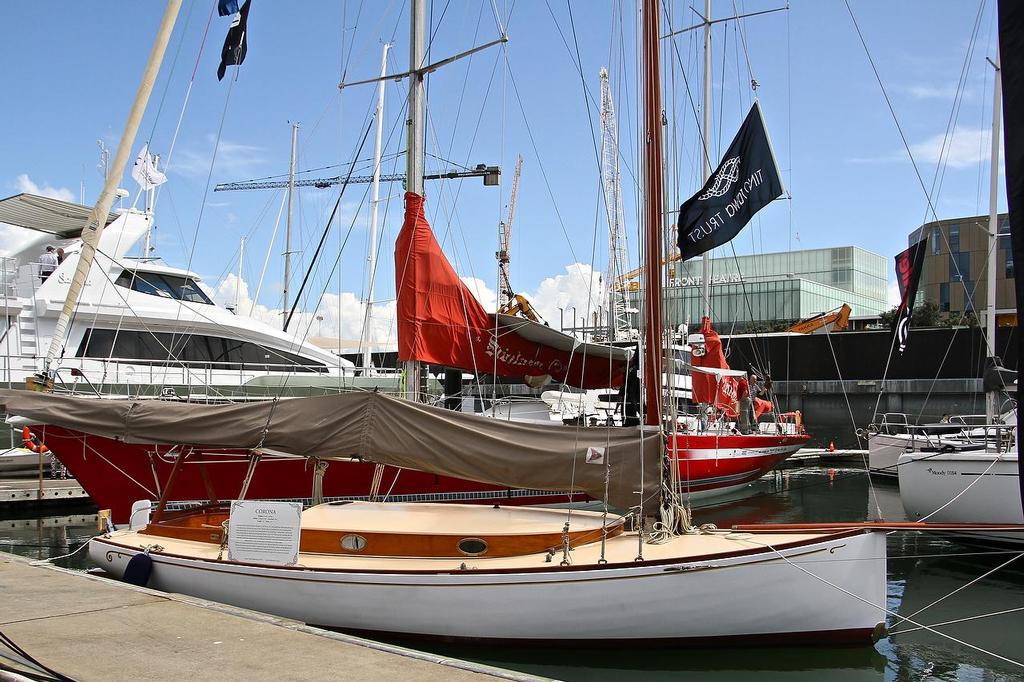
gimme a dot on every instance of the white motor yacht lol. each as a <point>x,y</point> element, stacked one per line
<point>141,327</point>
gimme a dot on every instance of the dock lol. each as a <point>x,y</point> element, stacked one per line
<point>817,456</point>
<point>17,493</point>
<point>89,627</point>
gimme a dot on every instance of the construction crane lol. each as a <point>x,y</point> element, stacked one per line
<point>618,326</point>
<point>626,282</point>
<point>839,319</point>
<point>515,304</point>
<point>505,238</point>
<point>490,174</point>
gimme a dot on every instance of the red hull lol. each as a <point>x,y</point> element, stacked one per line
<point>710,464</point>
<point>116,474</point>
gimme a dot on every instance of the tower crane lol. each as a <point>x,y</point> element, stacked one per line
<point>610,178</point>
<point>514,304</point>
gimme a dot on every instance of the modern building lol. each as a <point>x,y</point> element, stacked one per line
<point>775,288</point>
<point>956,265</point>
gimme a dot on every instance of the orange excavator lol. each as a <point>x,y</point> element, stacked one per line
<point>838,319</point>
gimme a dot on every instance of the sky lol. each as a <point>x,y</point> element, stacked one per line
<point>842,154</point>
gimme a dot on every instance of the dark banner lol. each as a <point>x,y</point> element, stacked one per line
<point>745,181</point>
<point>235,43</point>
<point>1011,53</point>
<point>908,274</point>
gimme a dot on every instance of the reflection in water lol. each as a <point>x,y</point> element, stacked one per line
<point>48,536</point>
<point>922,569</point>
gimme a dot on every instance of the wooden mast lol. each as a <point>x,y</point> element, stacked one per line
<point>93,229</point>
<point>652,214</point>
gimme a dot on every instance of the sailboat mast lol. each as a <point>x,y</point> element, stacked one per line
<point>97,220</point>
<point>288,224</point>
<point>415,146</point>
<point>371,269</point>
<point>653,213</point>
<point>992,397</point>
<point>705,134</point>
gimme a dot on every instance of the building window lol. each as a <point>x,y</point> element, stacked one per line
<point>936,241</point>
<point>954,237</point>
<point>959,266</point>
<point>1009,264</point>
<point>944,297</point>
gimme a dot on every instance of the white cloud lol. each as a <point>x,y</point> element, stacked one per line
<point>484,294</point>
<point>341,316</point>
<point>966,147</point>
<point>579,287</point>
<point>233,159</point>
<point>25,184</point>
<point>929,91</point>
<point>337,316</point>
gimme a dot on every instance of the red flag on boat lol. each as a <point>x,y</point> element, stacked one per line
<point>441,322</point>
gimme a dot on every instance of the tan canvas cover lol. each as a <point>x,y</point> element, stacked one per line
<point>381,429</point>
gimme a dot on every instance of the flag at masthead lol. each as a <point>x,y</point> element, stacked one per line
<point>746,180</point>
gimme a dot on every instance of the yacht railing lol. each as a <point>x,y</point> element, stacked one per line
<point>83,374</point>
<point>958,432</point>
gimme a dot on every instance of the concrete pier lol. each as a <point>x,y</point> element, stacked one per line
<point>92,628</point>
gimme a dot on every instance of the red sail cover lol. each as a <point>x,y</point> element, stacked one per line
<point>718,391</point>
<point>442,323</point>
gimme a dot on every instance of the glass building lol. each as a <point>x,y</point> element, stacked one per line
<point>775,288</point>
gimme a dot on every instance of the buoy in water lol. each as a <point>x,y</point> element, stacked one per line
<point>831,476</point>
<point>831,446</point>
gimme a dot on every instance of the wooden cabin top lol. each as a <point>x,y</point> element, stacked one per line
<point>416,529</point>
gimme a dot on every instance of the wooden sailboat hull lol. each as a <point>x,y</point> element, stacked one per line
<point>811,588</point>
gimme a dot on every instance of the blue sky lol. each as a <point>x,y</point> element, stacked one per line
<point>75,68</point>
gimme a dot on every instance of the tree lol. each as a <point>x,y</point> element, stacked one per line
<point>925,315</point>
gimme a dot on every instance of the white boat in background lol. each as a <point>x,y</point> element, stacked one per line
<point>964,487</point>
<point>893,436</point>
<point>17,462</point>
<point>140,324</point>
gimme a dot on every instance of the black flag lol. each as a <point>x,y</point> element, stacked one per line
<point>745,181</point>
<point>233,52</point>
<point>908,274</point>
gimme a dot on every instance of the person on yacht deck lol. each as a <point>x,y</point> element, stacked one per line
<point>47,263</point>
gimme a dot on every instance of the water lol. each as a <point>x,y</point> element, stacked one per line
<point>921,570</point>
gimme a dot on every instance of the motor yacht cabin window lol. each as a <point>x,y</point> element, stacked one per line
<point>165,285</point>
<point>145,348</point>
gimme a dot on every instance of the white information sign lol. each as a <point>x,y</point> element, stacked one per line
<point>264,532</point>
